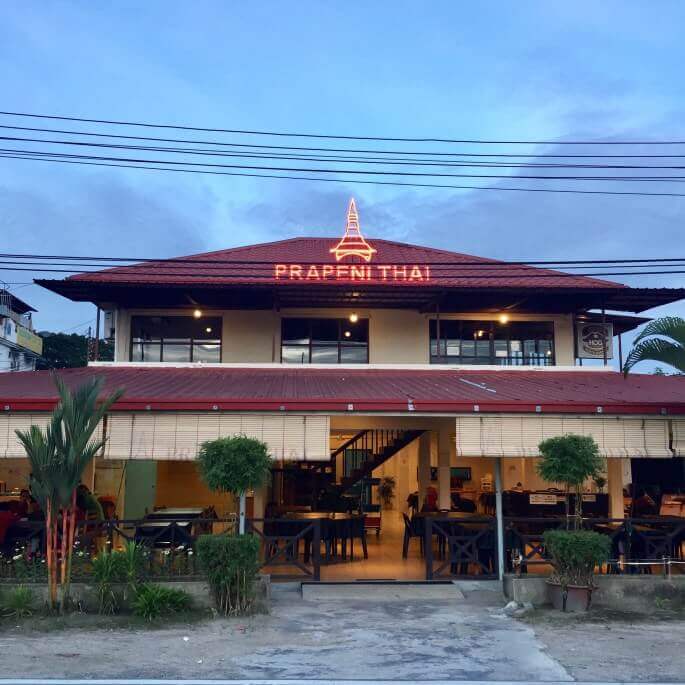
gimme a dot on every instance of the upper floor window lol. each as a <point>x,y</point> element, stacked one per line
<point>175,339</point>
<point>324,341</point>
<point>517,343</point>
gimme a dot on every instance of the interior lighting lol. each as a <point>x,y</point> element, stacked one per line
<point>504,318</point>
<point>208,329</point>
<point>197,313</point>
<point>347,334</point>
<point>354,317</point>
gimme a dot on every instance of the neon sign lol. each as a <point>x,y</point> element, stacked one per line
<point>354,245</point>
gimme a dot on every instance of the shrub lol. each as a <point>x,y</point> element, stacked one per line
<point>570,459</point>
<point>131,564</point>
<point>18,603</point>
<point>152,601</point>
<point>574,555</point>
<point>231,564</point>
<point>234,465</point>
<point>107,571</point>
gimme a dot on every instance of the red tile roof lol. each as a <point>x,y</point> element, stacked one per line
<point>364,389</point>
<point>254,265</point>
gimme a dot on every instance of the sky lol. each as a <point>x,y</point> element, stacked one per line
<point>498,70</point>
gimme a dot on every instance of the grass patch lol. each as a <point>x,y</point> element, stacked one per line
<point>41,622</point>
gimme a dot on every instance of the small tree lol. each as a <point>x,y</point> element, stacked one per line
<point>234,465</point>
<point>570,459</point>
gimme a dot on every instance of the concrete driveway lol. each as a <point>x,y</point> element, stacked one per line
<point>456,639</point>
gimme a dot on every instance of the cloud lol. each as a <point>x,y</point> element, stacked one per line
<point>96,215</point>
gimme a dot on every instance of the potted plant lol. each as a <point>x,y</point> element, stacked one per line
<point>386,490</point>
<point>574,556</point>
<point>571,460</point>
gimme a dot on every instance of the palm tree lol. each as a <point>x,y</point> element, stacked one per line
<point>45,467</point>
<point>58,457</point>
<point>662,340</point>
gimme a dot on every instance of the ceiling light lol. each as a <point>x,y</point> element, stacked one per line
<point>347,334</point>
<point>208,329</point>
<point>480,333</point>
<point>504,318</point>
<point>197,313</point>
<point>354,317</point>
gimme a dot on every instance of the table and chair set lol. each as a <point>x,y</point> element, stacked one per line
<point>336,531</point>
<point>462,543</point>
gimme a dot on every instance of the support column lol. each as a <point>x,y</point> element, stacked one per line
<point>424,465</point>
<point>500,518</point>
<point>615,487</point>
<point>444,451</point>
<point>259,503</point>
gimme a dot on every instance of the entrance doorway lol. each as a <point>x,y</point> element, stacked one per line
<point>374,500</point>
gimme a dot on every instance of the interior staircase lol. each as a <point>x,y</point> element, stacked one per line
<point>366,451</point>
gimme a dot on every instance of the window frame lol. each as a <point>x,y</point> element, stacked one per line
<point>191,342</point>
<point>339,344</point>
<point>490,326</point>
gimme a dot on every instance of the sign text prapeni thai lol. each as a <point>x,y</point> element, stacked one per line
<point>353,245</point>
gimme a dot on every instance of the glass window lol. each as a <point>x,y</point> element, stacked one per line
<point>491,342</point>
<point>295,354</point>
<point>175,339</point>
<point>324,341</point>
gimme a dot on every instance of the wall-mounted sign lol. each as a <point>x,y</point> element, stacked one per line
<point>592,338</point>
<point>353,245</point>
<point>29,340</point>
<point>542,498</point>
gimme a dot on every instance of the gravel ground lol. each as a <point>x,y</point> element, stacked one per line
<point>612,646</point>
<point>463,639</point>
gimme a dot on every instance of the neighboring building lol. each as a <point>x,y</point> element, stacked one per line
<point>354,359</point>
<point>20,347</point>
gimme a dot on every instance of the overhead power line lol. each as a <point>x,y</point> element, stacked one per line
<point>255,146</point>
<point>400,184</point>
<point>178,127</point>
<point>362,172</point>
<point>192,260</point>
<point>338,159</point>
<point>264,273</point>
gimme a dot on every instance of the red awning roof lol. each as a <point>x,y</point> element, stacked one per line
<point>360,390</point>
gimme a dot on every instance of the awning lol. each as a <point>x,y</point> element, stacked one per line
<point>519,436</point>
<point>178,436</point>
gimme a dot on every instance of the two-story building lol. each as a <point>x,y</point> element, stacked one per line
<point>356,360</point>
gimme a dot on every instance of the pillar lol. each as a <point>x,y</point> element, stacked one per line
<point>424,464</point>
<point>615,487</point>
<point>444,452</point>
<point>259,502</point>
<point>500,518</point>
<point>88,475</point>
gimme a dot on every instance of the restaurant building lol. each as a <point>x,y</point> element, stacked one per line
<point>360,360</point>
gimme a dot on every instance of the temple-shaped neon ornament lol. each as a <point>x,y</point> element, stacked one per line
<point>352,244</point>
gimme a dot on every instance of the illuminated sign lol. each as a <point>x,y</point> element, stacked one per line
<point>353,245</point>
